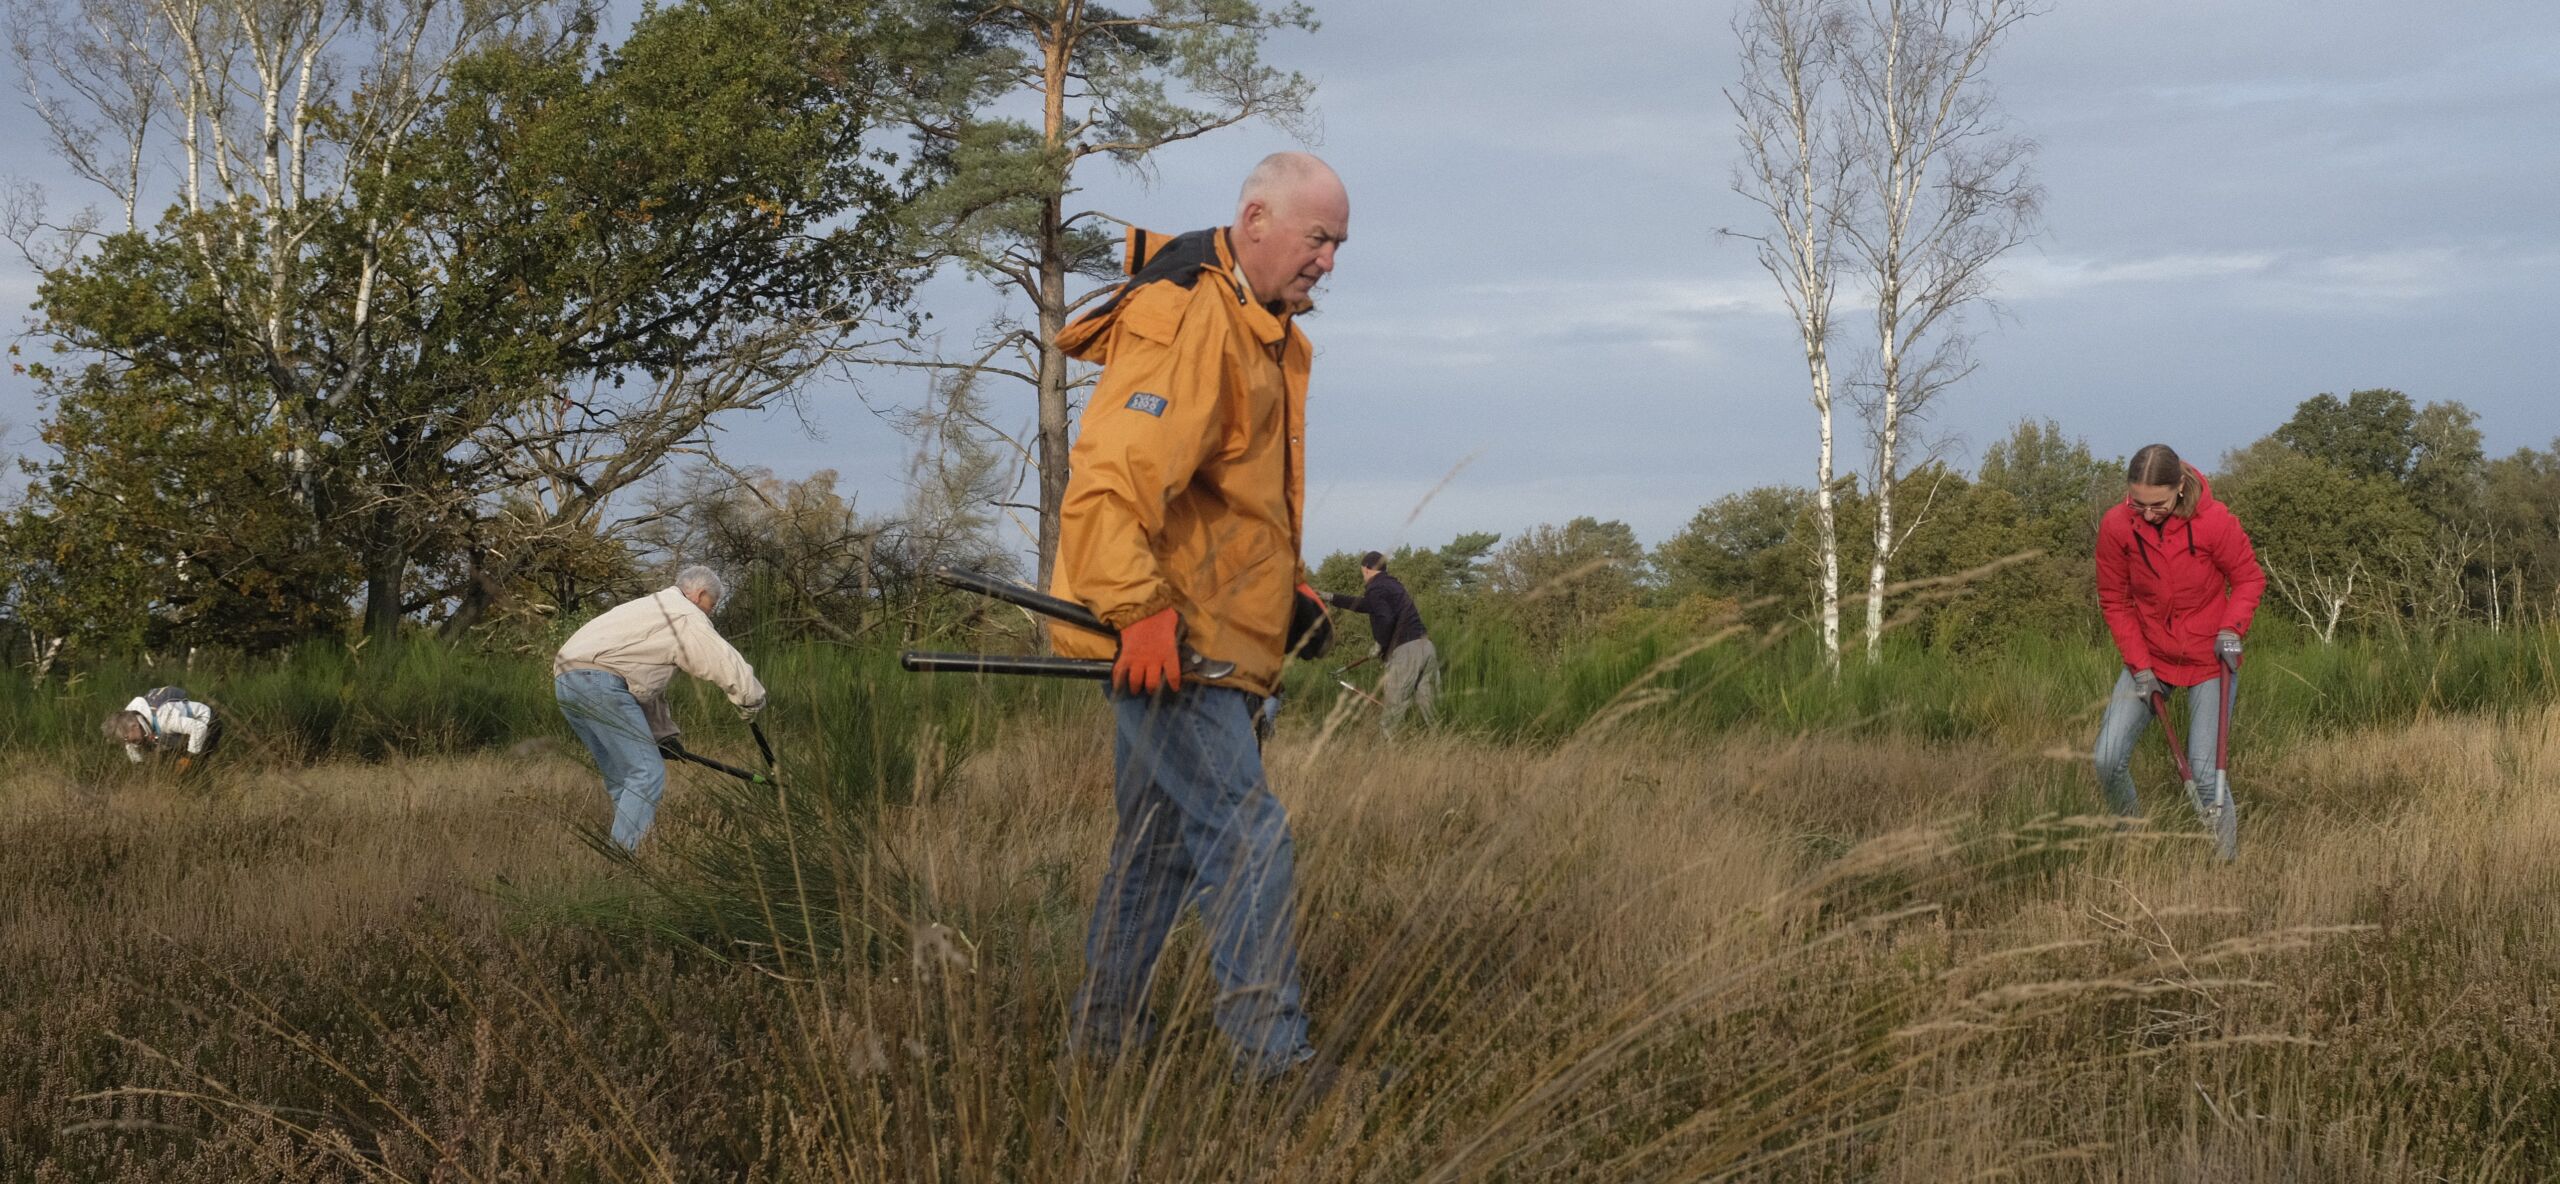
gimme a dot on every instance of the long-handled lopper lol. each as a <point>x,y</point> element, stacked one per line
<point>2214,808</point>
<point>1345,683</point>
<point>2226,811</point>
<point>1194,665</point>
<point>675,749</point>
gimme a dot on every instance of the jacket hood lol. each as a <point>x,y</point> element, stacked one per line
<point>1180,260</point>
<point>1150,258</point>
<point>2204,490</point>
<point>2205,502</point>
<point>2208,506</point>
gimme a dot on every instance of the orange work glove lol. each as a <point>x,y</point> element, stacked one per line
<point>1150,655</point>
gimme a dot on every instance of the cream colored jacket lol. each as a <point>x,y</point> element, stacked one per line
<point>178,717</point>
<point>647,640</point>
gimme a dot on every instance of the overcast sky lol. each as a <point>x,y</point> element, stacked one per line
<point>2245,205</point>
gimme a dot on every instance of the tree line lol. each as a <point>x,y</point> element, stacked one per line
<point>402,314</point>
<point>2372,515</point>
<point>429,316</point>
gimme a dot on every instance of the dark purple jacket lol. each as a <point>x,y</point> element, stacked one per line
<point>1392,617</point>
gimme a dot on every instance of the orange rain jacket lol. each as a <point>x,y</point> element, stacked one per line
<point>1188,481</point>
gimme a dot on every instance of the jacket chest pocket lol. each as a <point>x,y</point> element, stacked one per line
<point>2195,582</point>
<point>1258,418</point>
<point>1266,398</point>
<point>2149,573</point>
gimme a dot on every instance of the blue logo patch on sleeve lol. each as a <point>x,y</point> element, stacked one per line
<point>1151,404</point>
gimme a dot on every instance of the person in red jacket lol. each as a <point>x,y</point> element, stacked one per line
<point>2178,582</point>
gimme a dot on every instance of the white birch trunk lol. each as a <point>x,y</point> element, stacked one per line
<point>1814,298</point>
<point>1896,201</point>
<point>1884,538</point>
<point>1791,169</point>
<point>45,655</point>
<point>1945,194</point>
<point>1826,520</point>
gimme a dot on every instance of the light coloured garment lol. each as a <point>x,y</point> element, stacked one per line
<point>1412,681</point>
<point>168,721</point>
<point>646,641</point>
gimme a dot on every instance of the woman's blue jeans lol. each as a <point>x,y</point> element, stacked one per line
<point>2128,717</point>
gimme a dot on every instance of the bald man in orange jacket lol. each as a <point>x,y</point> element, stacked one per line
<point>1182,529</point>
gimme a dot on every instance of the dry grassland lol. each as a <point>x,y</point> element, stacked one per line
<point>1632,957</point>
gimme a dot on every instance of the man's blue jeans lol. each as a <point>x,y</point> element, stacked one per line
<point>609,722</point>
<point>1197,823</point>
<point>2128,716</point>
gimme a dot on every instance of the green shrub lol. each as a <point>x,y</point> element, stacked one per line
<point>1493,686</point>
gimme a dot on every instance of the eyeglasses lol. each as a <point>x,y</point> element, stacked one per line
<point>2160,507</point>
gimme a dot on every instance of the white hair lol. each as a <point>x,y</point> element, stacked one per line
<point>1278,175</point>
<point>698,578</point>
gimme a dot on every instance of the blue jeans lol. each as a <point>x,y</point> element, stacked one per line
<point>1197,824</point>
<point>609,722</point>
<point>2128,717</point>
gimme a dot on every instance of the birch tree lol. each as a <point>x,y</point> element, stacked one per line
<point>1795,168</point>
<point>2328,536</point>
<point>472,272</point>
<point>94,77</point>
<point>1939,191</point>
<point>1105,83</point>
<point>258,123</point>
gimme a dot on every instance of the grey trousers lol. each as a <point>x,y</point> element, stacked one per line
<point>1412,681</point>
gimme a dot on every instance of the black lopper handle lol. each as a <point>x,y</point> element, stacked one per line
<point>921,662</point>
<point>1193,663</point>
<point>671,747</point>
<point>1015,594</point>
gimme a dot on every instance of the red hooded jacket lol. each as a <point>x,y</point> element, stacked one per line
<point>2168,588</point>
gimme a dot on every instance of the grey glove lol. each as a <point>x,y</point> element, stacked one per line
<point>2146,684</point>
<point>747,711</point>
<point>2226,645</point>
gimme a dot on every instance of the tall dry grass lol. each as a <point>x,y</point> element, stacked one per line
<point>1631,956</point>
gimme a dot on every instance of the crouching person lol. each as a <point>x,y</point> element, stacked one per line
<point>611,679</point>
<point>164,719</point>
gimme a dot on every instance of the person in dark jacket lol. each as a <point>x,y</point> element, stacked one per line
<point>2178,582</point>
<point>1412,679</point>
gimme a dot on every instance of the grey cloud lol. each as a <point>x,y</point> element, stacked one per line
<point>2246,205</point>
